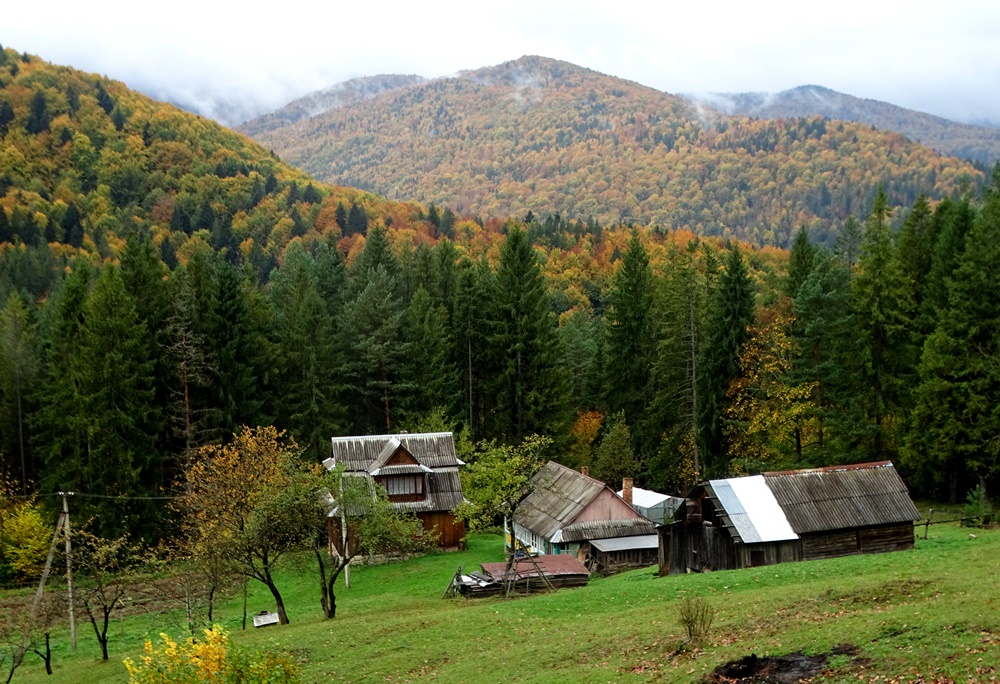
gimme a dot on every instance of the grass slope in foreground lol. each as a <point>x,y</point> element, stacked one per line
<point>927,614</point>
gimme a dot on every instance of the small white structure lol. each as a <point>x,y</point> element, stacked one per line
<point>264,618</point>
<point>653,505</point>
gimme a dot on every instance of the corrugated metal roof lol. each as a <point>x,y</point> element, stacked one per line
<point>840,497</point>
<point>432,449</point>
<point>648,498</point>
<point>645,541</point>
<point>406,469</point>
<point>559,495</point>
<point>752,509</point>
<point>604,529</point>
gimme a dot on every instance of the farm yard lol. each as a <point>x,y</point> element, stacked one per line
<point>930,615</point>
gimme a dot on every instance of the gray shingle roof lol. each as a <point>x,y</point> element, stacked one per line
<point>839,497</point>
<point>432,449</point>
<point>435,452</point>
<point>560,494</point>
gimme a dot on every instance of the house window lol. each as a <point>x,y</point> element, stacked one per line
<point>403,485</point>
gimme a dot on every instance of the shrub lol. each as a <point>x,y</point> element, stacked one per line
<point>696,616</point>
<point>977,511</point>
<point>210,660</point>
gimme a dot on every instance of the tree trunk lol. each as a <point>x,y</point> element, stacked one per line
<point>324,591</point>
<point>278,602</point>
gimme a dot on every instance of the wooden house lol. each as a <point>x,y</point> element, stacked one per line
<point>418,472</point>
<point>777,517</point>
<point>571,513</point>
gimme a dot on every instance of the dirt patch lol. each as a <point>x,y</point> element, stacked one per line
<point>786,669</point>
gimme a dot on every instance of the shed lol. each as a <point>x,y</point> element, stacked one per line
<point>419,472</point>
<point>567,511</point>
<point>653,505</point>
<point>787,516</point>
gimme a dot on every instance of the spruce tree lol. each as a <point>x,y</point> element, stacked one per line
<point>800,261</point>
<point>530,386</point>
<point>731,312</point>
<point>307,355</point>
<point>630,334</point>
<point>474,297</point>
<point>828,356</point>
<point>378,352</point>
<point>883,307</point>
<point>952,445</point>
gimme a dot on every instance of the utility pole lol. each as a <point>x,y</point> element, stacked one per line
<point>69,567</point>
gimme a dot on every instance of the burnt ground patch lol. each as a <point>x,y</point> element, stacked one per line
<point>784,669</point>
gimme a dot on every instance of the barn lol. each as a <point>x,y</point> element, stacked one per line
<point>778,517</point>
<point>419,472</point>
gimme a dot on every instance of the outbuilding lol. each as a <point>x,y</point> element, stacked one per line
<point>568,512</point>
<point>778,517</point>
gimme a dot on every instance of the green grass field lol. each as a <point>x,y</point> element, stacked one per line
<point>928,614</point>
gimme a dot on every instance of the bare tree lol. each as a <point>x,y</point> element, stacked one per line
<point>109,567</point>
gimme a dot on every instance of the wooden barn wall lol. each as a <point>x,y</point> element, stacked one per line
<point>886,538</point>
<point>451,532</point>
<point>607,562</point>
<point>767,553</point>
<point>700,548</point>
<point>878,539</point>
<point>706,547</point>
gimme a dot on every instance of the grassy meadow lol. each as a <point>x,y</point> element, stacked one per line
<point>931,614</point>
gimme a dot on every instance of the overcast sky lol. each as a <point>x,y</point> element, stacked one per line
<point>942,58</point>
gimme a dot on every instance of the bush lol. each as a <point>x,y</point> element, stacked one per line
<point>696,617</point>
<point>977,512</point>
<point>210,660</point>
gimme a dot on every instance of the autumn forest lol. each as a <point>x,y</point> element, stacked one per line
<point>166,281</point>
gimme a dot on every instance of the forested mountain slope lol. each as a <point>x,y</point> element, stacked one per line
<point>979,143</point>
<point>547,136</point>
<point>164,282</point>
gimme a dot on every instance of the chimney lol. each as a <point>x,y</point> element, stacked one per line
<point>627,490</point>
<point>584,470</point>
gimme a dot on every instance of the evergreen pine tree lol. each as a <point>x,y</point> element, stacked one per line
<point>800,261</point>
<point>630,335</point>
<point>378,351</point>
<point>306,354</point>
<point>883,307</point>
<point>731,312</point>
<point>530,386</point>
<point>952,445</point>
<point>38,114</point>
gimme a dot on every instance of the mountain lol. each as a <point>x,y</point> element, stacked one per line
<point>546,136</point>
<point>351,92</point>
<point>85,162</point>
<point>979,143</point>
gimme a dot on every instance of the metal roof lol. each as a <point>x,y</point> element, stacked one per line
<point>603,529</point>
<point>645,541</point>
<point>840,497</point>
<point>648,498</point>
<point>552,566</point>
<point>558,497</point>
<point>752,509</point>
<point>432,449</point>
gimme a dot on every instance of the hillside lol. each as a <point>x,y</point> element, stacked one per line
<point>911,616</point>
<point>351,92</point>
<point>86,162</point>
<point>547,136</point>
<point>979,143</point>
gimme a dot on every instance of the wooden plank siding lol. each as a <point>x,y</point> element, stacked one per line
<point>700,547</point>
<point>450,531</point>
